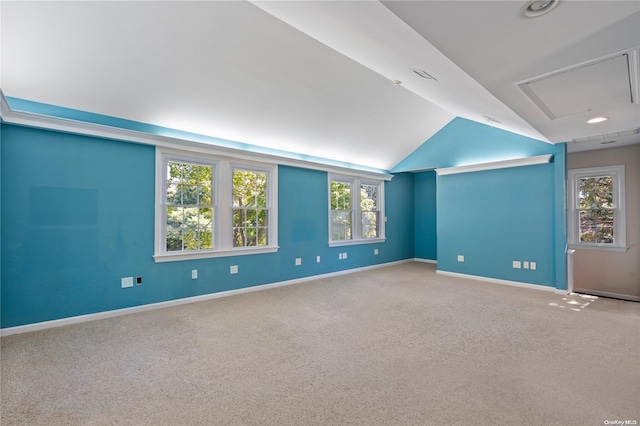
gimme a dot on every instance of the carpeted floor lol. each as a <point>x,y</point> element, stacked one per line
<point>398,345</point>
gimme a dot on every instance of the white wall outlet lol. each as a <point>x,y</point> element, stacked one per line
<point>340,256</point>
<point>126,282</point>
<point>525,264</point>
<point>516,264</point>
<point>298,261</point>
<point>233,269</point>
<point>194,274</point>
<point>317,259</point>
<point>375,252</point>
<point>460,258</point>
<point>533,265</point>
<point>344,255</point>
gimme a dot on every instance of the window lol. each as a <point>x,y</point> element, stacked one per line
<point>355,215</point>
<point>189,206</point>
<point>597,208</point>
<point>250,208</point>
<point>207,206</point>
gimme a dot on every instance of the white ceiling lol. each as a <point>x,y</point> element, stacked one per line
<point>314,77</point>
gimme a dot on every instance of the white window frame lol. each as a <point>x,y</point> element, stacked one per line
<point>222,202</point>
<point>619,210</point>
<point>356,219</point>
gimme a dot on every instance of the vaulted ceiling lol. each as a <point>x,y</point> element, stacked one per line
<point>362,82</point>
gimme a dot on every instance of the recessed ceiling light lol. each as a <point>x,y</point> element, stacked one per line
<point>535,8</point>
<point>595,120</point>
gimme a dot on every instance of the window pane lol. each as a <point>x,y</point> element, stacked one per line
<point>238,217</point>
<point>206,237</point>
<point>262,236</point>
<point>340,225</point>
<point>368,197</point>
<point>204,195</point>
<point>174,240</point>
<point>190,239</point>
<point>252,234</point>
<point>190,195</point>
<point>239,237</point>
<point>262,218</point>
<point>369,224</point>
<point>174,193</point>
<point>340,196</point>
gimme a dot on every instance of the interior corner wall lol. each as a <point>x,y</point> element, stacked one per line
<point>82,217</point>
<point>426,243</point>
<point>495,217</point>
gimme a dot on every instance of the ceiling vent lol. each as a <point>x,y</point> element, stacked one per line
<point>608,136</point>
<point>596,85</point>
<point>424,74</point>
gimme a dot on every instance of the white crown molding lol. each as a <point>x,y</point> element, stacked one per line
<point>27,119</point>
<point>519,162</point>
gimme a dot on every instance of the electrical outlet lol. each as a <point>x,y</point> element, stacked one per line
<point>533,265</point>
<point>298,261</point>
<point>340,256</point>
<point>194,274</point>
<point>516,264</point>
<point>233,269</point>
<point>375,252</point>
<point>460,258</point>
<point>344,255</point>
<point>317,259</point>
<point>525,264</point>
<point>126,282</point>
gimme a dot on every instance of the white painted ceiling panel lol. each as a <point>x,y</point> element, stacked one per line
<point>596,86</point>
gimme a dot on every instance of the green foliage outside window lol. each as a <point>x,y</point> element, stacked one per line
<point>189,207</point>
<point>250,208</point>
<point>596,209</point>
<point>340,211</point>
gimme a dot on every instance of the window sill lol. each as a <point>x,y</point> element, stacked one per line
<point>173,257</point>
<point>598,247</point>
<point>356,242</point>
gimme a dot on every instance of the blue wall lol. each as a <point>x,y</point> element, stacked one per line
<point>425,216</point>
<point>495,217</point>
<point>81,217</point>
<point>491,217</point>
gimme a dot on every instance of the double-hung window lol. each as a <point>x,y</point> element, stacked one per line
<point>597,208</point>
<point>211,206</point>
<point>356,210</point>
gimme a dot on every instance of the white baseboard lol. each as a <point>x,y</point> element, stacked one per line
<point>498,281</point>
<point>142,308</point>
<point>418,259</point>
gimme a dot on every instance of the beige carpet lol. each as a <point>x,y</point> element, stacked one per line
<point>398,345</point>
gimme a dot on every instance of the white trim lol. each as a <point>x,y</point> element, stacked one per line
<point>519,162</point>
<point>601,247</point>
<point>498,281</point>
<point>607,294</point>
<point>339,243</point>
<point>356,214</point>
<point>184,301</point>
<point>28,119</point>
<point>617,172</point>
<point>417,259</point>
<point>222,188</point>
